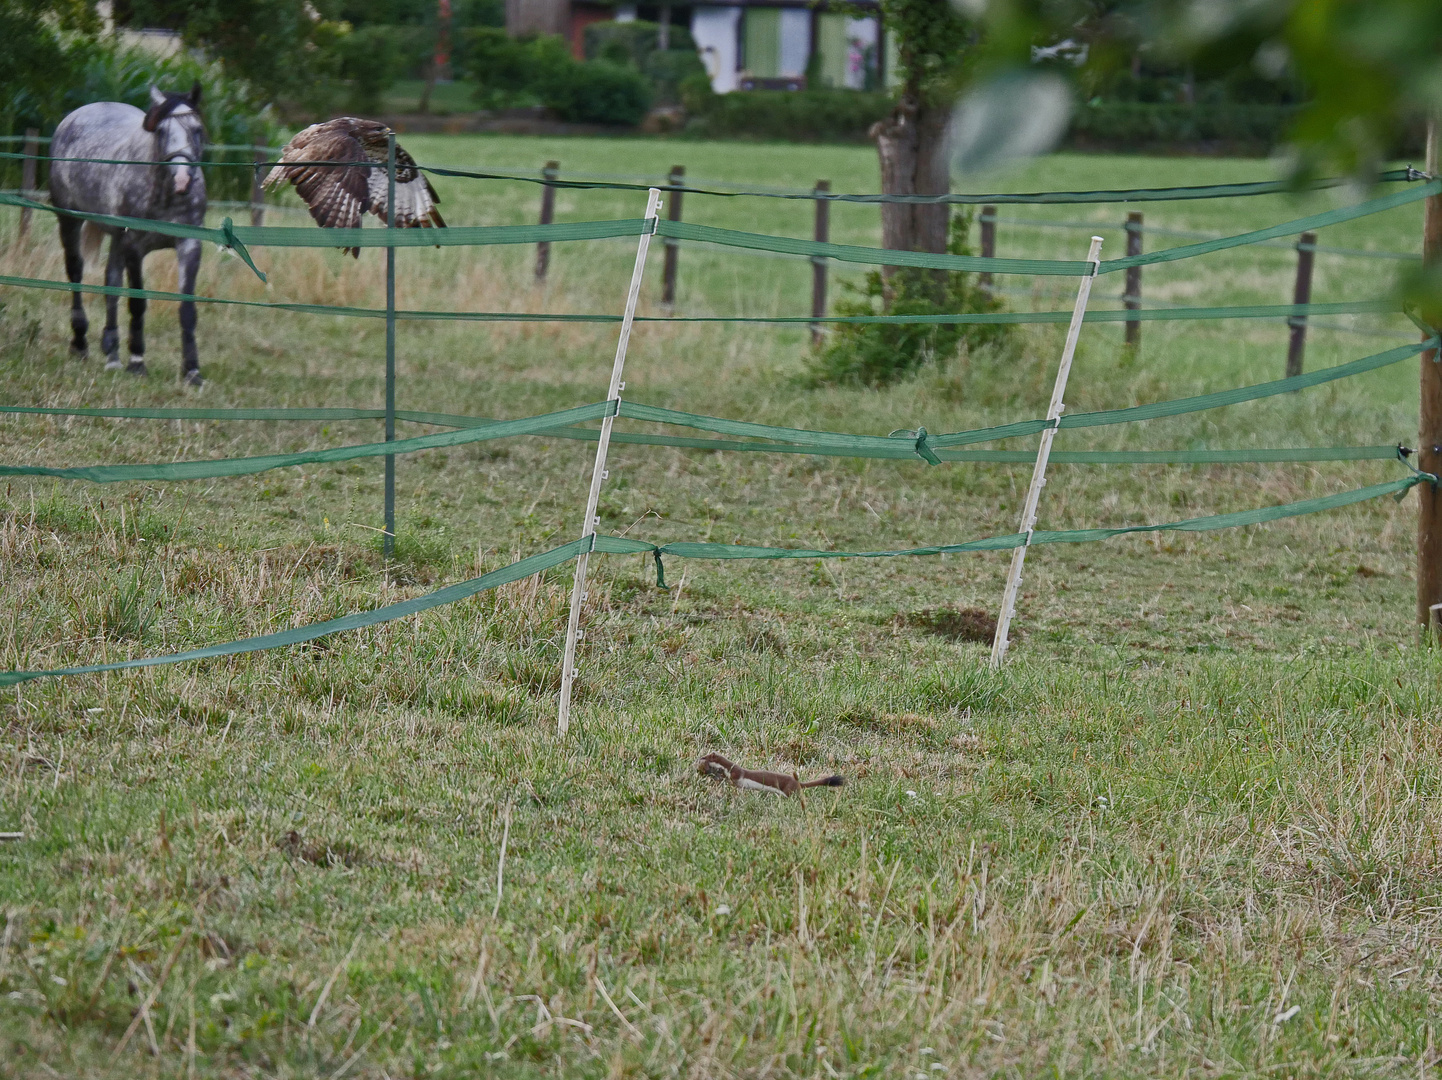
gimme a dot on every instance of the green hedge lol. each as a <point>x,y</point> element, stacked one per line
<point>1123,125</point>
<point>847,115</point>
<point>782,115</point>
<point>539,69</point>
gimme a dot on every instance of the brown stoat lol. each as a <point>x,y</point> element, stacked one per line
<point>754,780</point>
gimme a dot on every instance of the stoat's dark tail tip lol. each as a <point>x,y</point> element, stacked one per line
<point>833,781</point>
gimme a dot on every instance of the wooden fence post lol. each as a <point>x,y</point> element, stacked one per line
<point>822,235</point>
<point>257,192</point>
<point>27,176</point>
<point>1133,296</point>
<point>1301,294</point>
<point>548,211</point>
<point>1429,443</point>
<point>673,251</point>
<point>988,243</point>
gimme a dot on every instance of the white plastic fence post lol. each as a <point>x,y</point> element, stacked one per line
<point>1043,454</point>
<point>598,471</point>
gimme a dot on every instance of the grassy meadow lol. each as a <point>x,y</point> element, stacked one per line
<point>1191,828</point>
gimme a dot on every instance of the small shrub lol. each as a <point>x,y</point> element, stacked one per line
<point>880,354</point>
<point>596,92</point>
<point>633,42</point>
<point>540,70</point>
<point>1131,124</point>
<point>781,115</point>
<point>669,69</point>
<point>506,68</point>
<point>635,45</point>
<point>372,58</point>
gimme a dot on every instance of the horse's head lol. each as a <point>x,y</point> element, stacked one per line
<point>179,133</point>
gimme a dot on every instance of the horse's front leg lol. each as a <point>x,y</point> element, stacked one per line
<point>114,277</point>
<point>136,280</point>
<point>75,273</point>
<point>187,255</point>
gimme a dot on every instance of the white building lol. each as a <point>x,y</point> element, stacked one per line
<point>766,44</point>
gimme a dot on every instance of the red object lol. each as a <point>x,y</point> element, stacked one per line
<point>582,16</point>
<point>443,41</point>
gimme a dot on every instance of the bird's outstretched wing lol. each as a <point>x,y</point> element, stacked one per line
<point>415,198</point>
<point>339,195</point>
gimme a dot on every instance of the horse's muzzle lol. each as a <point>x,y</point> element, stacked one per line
<point>184,171</point>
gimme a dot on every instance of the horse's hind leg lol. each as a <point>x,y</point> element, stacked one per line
<point>136,280</point>
<point>114,275</point>
<point>187,255</point>
<point>75,272</point>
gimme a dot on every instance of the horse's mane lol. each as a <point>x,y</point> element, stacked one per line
<point>157,113</point>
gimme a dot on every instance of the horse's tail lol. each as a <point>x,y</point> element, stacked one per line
<point>91,235</point>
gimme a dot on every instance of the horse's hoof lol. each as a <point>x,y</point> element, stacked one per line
<point>79,354</point>
<point>112,362</point>
<point>136,367</point>
<point>192,378</point>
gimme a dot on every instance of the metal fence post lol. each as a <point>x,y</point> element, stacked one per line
<point>599,472</point>
<point>548,210</point>
<point>822,235</point>
<point>257,191</point>
<point>1133,295</point>
<point>1000,643</point>
<point>1429,416</point>
<point>388,543</point>
<point>27,176</point>
<point>1301,294</point>
<point>673,250</point>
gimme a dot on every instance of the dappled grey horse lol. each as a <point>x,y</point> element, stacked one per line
<point>169,186</point>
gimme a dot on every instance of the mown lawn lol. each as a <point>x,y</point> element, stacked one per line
<point>1191,828</point>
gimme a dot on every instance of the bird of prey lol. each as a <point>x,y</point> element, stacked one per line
<point>338,194</point>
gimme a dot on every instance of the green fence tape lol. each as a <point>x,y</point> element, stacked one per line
<point>200,470</point>
<point>449,595</point>
<point>336,413</point>
<point>816,249</point>
<point>917,445</point>
<point>224,236</point>
<point>451,236</point>
<point>894,450</point>
<point>688,550</point>
<point>622,546</point>
<point>1287,228</point>
<point>1221,398</point>
<point>1112,195</point>
<point>835,440</point>
<point>238,237</point>
<point>901,446</point>
<point>1381,306</point>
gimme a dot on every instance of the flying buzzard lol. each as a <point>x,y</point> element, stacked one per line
<point>339,195</point>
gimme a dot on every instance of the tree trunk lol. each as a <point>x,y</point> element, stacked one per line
<point>912,146</point>
<point>424,105</point>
